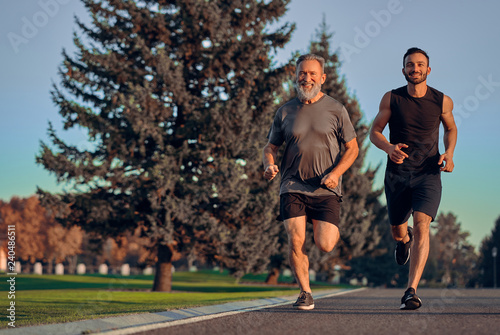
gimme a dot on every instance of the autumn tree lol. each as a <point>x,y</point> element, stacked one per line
<point>61,244</point>
<point>130,248</point>
<point>38,236</point>
<point>172,95</point>
<point>28,220</point>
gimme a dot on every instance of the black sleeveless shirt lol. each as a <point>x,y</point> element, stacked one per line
<point>415,122</point>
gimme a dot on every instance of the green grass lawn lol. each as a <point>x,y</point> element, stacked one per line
<point>54,299</point>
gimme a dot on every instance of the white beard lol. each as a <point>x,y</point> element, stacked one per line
<point>306,95</point>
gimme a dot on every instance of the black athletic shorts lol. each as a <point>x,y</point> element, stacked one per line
<point>406,193</point>
<point>324,208</point>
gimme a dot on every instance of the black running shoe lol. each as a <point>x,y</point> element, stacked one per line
<point>410,300</point>
<point>304,301</point>
<point>402,252</point>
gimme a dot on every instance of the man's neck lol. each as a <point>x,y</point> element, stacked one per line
<point>418,90</point>
<point>313,100</point>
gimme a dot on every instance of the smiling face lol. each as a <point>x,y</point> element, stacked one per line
<point>416,68</point>
<point>310,77</point>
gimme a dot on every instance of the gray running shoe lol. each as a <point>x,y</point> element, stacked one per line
<point>402,252</point>
<point>410,300</point>
<point>304,301</point>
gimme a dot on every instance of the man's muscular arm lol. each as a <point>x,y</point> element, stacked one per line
<point>379,140</point>
<point>450,135</point>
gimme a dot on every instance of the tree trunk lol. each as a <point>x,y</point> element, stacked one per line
<point>272,277</point>
<point>72,263</point>
<point>163,275</point>
<point>50,267</point>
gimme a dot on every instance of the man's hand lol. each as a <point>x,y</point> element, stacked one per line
<point>396,154</point>
<point>448,160</point>
<point>331,180</point>
<point>271,172</point>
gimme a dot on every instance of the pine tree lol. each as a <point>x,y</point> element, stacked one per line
<point>454,257</point>
<point>487,275</point>
<point>173,95</point>
<point>360,206</point>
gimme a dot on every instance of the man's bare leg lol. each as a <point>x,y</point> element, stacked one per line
<point>419,248</point>
<point>296,230</point>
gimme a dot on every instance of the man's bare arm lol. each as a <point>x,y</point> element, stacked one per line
<point>450,135</point>
<point>379,140</point>
<point>269,160</point>
<point>331,180</point>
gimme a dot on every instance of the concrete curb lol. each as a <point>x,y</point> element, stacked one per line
<point>130,324</point>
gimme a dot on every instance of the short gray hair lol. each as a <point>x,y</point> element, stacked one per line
<point>320,59</point>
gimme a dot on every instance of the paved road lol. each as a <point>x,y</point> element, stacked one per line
<point>371,311</point>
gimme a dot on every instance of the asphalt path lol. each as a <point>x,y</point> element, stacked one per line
<point>370,311</point>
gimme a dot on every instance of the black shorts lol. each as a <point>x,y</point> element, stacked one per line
<point>406,193</point>
<point>323,208</point>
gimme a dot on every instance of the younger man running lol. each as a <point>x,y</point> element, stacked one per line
<point>413,175</point>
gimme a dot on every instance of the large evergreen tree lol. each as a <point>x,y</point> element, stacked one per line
<point>173,95</point>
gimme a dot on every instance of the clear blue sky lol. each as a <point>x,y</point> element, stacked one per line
<point>461,37</point>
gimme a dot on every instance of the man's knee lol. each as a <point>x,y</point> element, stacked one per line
<point>326,246</point>
<point>326,235</point>
<point>296,243</point>
<point>326,243</point>
<point>399,232</point>
<point>421,233</point>
<point>421,223</point>
<point>295,229</point>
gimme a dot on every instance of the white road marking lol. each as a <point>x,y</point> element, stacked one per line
<point>133,330</point>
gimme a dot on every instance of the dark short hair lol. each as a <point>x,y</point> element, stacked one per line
<point>320,59</point>
<point>414,50</point>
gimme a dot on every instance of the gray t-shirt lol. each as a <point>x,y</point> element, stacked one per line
<point>313,134</point>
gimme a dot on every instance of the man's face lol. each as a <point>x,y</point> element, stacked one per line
<point>309,79</point>
<point>416,68</point>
